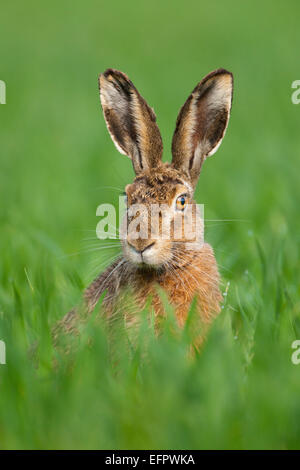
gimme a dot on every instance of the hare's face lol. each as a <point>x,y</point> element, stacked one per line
<point>154,225</point>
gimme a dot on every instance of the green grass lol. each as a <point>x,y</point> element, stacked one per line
<point>56,163</point>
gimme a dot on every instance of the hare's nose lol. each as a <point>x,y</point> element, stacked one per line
<point>140,247</point>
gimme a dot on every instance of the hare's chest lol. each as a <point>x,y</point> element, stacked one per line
<point>181,287</point>
<point>179,293</point>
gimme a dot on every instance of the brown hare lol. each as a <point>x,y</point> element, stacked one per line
<point>184,273</point>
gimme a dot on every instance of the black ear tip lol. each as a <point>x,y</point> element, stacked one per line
<point>119,79</point>
<point>111,75</point>
<point>109,71</point>
<point>213,76</point>
<point>116,74</point>
<point>217,73</point>
<point>223,71</point>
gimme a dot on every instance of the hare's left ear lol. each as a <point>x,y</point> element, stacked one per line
<point>202,122</point>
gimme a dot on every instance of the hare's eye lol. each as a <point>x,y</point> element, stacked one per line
<point>181,202</point>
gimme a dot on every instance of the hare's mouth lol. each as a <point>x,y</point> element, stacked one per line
<point>146,255</point>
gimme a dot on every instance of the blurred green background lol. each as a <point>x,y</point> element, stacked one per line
<point>57,164</point>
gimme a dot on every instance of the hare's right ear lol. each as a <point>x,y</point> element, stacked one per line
<point>130,121</point>
<point>202,122</point>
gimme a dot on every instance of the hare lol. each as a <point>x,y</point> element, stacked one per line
<point>148,262</point>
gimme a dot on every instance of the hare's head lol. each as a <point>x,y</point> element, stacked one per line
<point>160,199</point>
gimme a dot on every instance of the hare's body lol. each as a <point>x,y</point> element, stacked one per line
<point>160,258</point>
<point>197,278</point>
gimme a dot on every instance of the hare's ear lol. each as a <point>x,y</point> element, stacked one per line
<point>202,122</point>
<point>130,121</point>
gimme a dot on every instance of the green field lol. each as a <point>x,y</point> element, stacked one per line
<point>57,164</point>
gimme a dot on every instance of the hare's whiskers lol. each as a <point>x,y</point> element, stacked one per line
<point>111,272</point>
<point>183,258</point>
<point>227,220</point>
<point>173,271</point>
<point>115,188</point>
<point>101,245</point>
<point>101,239</point>
<point>89,250</point>
<point>187,272</point>
<point>95,266</point>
